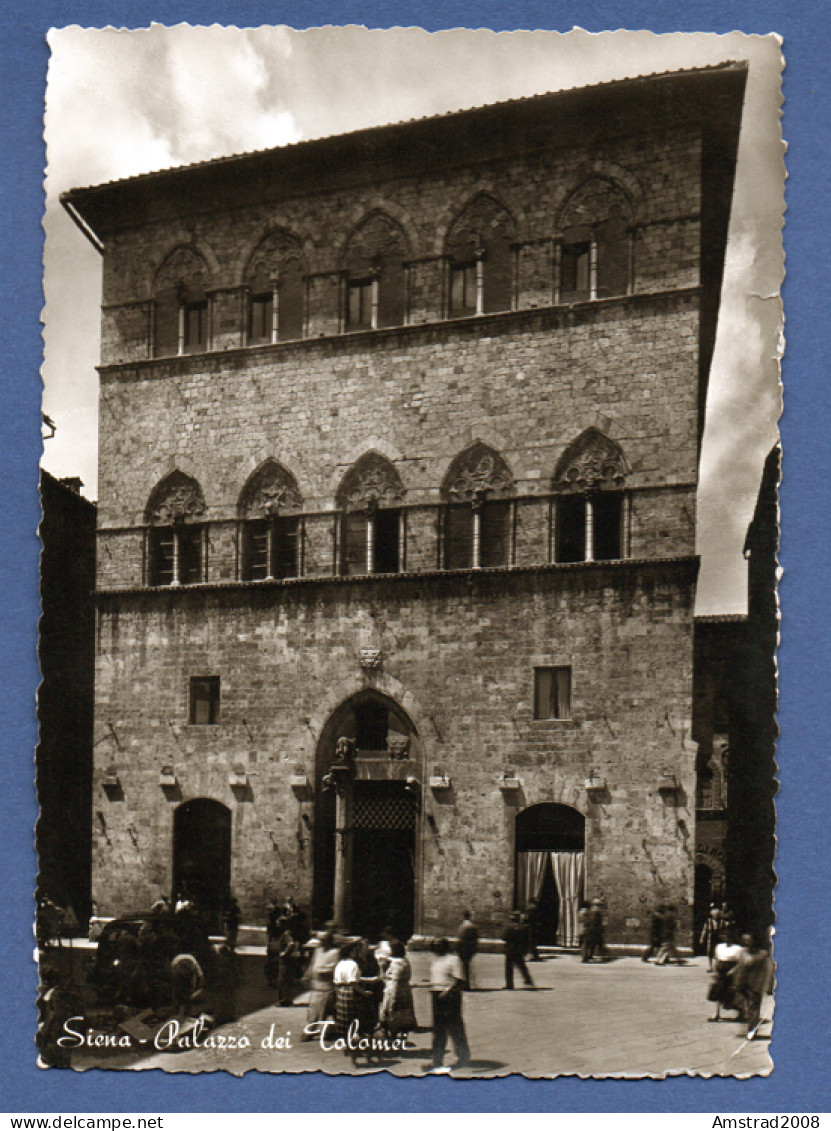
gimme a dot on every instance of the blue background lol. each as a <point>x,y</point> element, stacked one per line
<point>799,1082</point>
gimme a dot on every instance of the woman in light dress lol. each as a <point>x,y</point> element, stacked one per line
<point>325,957</point>
<point>397,1014</point>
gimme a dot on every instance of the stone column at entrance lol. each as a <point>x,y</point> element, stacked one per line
<point>340,777</point>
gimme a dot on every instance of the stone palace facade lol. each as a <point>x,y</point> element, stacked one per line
<point>399,442</point>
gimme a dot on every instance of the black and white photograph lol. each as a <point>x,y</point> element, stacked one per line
<point>409,569</point>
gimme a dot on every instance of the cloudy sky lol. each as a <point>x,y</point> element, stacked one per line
<point>121,103</point>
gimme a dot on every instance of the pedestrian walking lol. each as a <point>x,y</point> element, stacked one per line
<point>325,957</point>
<point>668,949</point>
<point>532,922</point>
<point>710,934</point>
<point>516,947</point>
<point>466,947</point>
<point>722,990</point>
<point>751,981</point>
<point>656,932</point>
<point>727,921</point>
<point>447,982</point>
<point>397,1013</point>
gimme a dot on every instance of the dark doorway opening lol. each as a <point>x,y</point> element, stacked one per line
<point>550,854</point>
<point>383,858</point>
<point>706,890</point>
<point>202,857</point>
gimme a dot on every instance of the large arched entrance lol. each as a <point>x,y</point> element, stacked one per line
<point>365,821</point>
<point>202,857</point>
<point>550,842</point>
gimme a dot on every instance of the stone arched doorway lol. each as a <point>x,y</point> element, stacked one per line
<point>368,774</point>
<point>202,857</point>
<point>550,843</point>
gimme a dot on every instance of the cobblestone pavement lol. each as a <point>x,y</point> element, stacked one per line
<point>618,1018</point>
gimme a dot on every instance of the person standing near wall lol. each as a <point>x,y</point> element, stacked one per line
<point>467,946</point>
<point>516,947</point>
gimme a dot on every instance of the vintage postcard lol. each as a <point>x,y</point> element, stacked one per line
<point>409,572</point>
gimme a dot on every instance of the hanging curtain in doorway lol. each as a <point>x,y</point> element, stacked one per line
<point>530,873</point>
<point>568,875</point>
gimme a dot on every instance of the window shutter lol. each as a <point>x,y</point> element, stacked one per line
<point>494,534</point>
<point>354,543</point>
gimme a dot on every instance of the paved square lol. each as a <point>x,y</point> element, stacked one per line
<point>619,1018</point>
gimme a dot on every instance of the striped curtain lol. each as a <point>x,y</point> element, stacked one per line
<point>530,873</point>
<point>568,870</point>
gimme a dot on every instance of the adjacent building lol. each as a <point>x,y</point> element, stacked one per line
<point>400,435</point>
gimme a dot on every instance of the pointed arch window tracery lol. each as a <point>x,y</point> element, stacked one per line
<point>592,512</point>
<point>181,307</point>
<point>372,532</point>
<point>375,275</point>
<point>480,252</point>
<point>479,491</point>
<point>275,282</point>
<point>176,532</point>
<point>271,525</point>
<point>595,246</point>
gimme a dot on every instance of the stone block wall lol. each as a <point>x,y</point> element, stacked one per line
<point>458,654</point>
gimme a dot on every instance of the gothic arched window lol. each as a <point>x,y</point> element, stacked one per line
<point>270,524</point>
<point>275,282</point>
<point>375,279</point>
<point>481,259</point>
<point>372,525</point>
<point>181,312</point>
<point>477,520</point>
<point>594,251</point>
<point>589,480</point>
<point>176,536</point>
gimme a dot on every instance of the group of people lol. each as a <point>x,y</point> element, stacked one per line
<point>361,989</point>
<point>742,970</point>
<point>287,932</point>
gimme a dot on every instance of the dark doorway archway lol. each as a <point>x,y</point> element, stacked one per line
<point>550,841</point>
<point>202,857</point>
<point>380,830</point>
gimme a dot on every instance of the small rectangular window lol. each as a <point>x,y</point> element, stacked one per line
<point>608,516</point>
<point>458,536</point>
<point>204,700</point>
<point>162,556</point>
<point>190,555</point>
<point>463,290</point>
<point>385,549</point>
<point>196,319</point>
<point>552,693</point>
<point>495,534</point>
<point>262,314</point>
<point>574,272</point>
<point>571,528</point>
<point>359,305</point>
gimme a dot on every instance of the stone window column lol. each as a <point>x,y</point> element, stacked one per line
<point>589,529</point>
<point>183,313</point>
<point>480,279</point>
<point>476,546</point>
<point>370,540</point>
<point>373,301</point>
<point>275,308</point>
<point>176,557</point>
<point>593,271</point>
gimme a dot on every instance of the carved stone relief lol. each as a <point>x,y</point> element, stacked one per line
<point>479,472</point>
<point>372,481</point>
<point>592,461</point>
<point>176,499</point>
<point>272,490</point>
